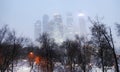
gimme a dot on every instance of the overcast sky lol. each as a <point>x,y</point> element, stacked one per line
<point>22,14</point>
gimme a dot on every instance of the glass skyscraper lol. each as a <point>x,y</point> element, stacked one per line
<point>45,22</point>
<point>38,29</point>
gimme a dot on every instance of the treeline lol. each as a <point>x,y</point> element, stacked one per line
<point>75,55</point>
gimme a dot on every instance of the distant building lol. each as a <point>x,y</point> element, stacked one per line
<point>81,23</point>
<point>69,30</point>
<point>69,19</point>
<point>38,29</point>
<point>45,22</point>
<point>50,27</point>
<point>57,27</point>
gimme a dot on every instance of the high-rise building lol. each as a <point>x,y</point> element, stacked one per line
<point>57,18</point>
<point>69,19</point>
<point>50,27</point>
<point>45,22</point>
<point>57,27</point>
<point>38,29</point>
<point>82,26</point>
<point>69,32</point>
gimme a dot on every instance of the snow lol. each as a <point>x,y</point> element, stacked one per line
<point>23,66</point>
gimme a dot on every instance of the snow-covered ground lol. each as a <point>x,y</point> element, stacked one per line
<point>23,66</point>
<point>96,69</point>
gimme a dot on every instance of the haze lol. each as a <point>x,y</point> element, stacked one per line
<point>22,14</point>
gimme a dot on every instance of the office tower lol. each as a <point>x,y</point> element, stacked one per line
<point>69,32</point>
<point>58,22</point>
<point>81,22</point>
<point>57,27</point>
<point>51,28</point>
<point>45,22</point>
<point>57,18</point>
<point>38,29</point>
<point>69,19</point>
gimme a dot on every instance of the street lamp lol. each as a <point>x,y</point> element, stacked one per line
<point>31,53</point>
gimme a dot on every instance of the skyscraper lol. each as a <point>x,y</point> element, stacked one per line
<point>69,19</point>
<point>57,27</point>
<point>82,26</point>
<point>69,32</point>
<point>38,29</point>
<point>45,22</point>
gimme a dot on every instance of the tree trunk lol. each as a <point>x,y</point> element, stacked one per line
<point>102,60</point>
<point>116,62</point>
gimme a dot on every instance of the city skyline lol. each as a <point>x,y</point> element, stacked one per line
<point>23,13</point>
<point>59,36</point>
<point>61,30</point>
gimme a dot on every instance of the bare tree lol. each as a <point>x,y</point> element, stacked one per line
<point>47,50</point>
<point>118,28</point>
<point>85,52</point>
<point>71,48</point>
<point>104,41</point>
<point>9,49</point>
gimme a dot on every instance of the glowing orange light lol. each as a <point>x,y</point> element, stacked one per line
<point>37,60</point>
<point>31,53</point>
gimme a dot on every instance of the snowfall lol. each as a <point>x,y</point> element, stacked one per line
<point>23,66</point>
